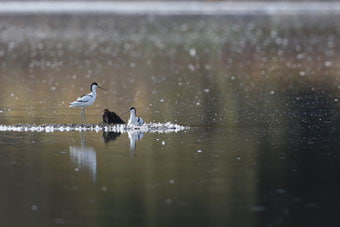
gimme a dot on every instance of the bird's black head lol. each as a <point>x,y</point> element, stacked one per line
<point>132,110</point>
<point>106,111</point>
<point>93,84</point>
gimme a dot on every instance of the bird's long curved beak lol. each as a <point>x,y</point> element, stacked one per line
<point>102,88</point>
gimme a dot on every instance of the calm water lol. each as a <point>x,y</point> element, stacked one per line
<point>260,93</point>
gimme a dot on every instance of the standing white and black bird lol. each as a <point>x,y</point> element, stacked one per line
<point>134,120</point>
<point>86,100</point>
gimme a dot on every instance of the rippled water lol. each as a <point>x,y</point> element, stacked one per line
<point>259,93</point>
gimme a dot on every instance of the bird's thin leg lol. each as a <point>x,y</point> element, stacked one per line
<point>82,115</point>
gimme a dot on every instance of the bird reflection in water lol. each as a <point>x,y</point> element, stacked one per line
<point>110,136</point>
<point>134,136</point>
<point>84,157</point>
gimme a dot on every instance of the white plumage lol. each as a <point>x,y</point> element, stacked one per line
<point>86,100</point>
<point>134,120</point>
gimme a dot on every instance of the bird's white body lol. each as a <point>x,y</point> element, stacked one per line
<point>86,100</point>
<point>134,120</point>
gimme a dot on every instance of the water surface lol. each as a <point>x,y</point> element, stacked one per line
<point>260,93</point>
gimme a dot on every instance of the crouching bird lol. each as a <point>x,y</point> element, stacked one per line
<point>111,118</point>
<point>134,120</point>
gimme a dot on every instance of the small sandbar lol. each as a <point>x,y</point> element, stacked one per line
<point>121,128</point>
